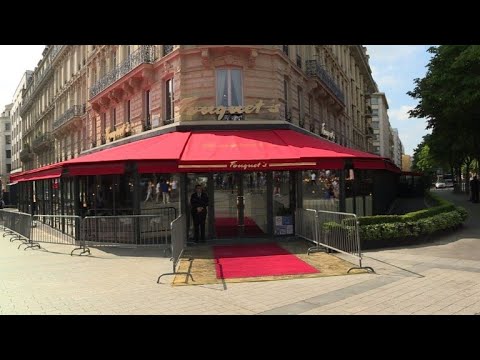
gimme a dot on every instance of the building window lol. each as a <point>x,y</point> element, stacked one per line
<point>285,49</point>
<point>299,61</point>
<point>9,154</point>
<point>147,109</point>
<point>127,110</point>
<point>288,115</point>
<point>104,123</point>
<point>300,106</point>
<point>7,126</point>
<point>9,168</point>
<point>229,87</point>
<point>169,108</point>
<point>374,101</point>
<point>375,125</point>
<point>114,119</point>
<point>8,139</point>
<point>374,112</point>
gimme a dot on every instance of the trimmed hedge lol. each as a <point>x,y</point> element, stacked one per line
<point>443,216</point>
<point>441,206</point>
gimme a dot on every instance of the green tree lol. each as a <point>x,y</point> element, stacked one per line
<point>449,99</point>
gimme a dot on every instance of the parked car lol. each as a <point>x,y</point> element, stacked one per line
<point>440,185</point>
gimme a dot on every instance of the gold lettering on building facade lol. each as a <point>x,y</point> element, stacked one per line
<point>233,112</point>
<point>245,166</point>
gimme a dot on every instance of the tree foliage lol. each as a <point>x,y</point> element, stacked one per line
<point>449,99</point>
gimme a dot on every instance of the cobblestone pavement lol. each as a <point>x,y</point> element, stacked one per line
<point>433,278</point>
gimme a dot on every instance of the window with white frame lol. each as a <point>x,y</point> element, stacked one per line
<point>229,87</point>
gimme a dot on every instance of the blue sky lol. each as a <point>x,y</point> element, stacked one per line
<point>394,67</point>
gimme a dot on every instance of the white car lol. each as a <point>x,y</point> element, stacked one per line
<point>440,185</point>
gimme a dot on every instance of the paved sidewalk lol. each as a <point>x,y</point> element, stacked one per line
<point>435,278</point>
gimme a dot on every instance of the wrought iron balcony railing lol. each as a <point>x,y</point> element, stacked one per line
<point>75,110</point>
<point>167,49</point>
<point>42,141</point>
<point>315,69</point>
<point>144,54</point>
<point>55,50</point>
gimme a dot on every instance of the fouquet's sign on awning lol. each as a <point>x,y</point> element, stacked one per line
<point>233,112</point>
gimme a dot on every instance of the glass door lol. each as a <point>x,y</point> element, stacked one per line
<point>226,187</point>
<point>255,204</point>
<point>240,204</point>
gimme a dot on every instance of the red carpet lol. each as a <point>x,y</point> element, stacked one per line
<point>227,227</point>
<point>253,260</point>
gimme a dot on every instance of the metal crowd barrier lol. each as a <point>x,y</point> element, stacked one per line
<point>331,230</point>
<point>178,244</point>
<point>58,229</point>
<point>169,211</point>
<point>18,226</point>
<point>305,224</point>
<point>126,230</point>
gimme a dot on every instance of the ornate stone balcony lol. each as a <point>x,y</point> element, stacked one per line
<point>42,142</point>
<point>69,116</point>
<point>314,69</point>
<point>144,55</point>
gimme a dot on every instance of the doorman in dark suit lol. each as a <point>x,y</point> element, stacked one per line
<point>199,204</point>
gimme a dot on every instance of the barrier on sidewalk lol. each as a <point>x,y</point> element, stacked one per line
<point>178,244</point>
<point>331,230</point>
<point>305,224</point>
<point>126,230</point>
<point>17,225</point>
<point>58,229</point>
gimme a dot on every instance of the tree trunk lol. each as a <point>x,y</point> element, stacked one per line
<point>467,178</point>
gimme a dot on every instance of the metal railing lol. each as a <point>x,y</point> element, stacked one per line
<point>305,224</point>
<point>167,49</point>
<point>144,54</point>
<point>75,110</point>
<point>58,229</point>
<point>330,230</point>
<point>17,225</point>
<point>41,141</point>
<point>126,231</point>
<point>169,211</point>
<point>55,50</point>
<point>178,244</point>
<point>315,69</point>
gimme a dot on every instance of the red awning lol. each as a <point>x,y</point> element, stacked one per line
<point>240,150</point>
<point>221,150</point>
<point>153,154</point>
<point>46,172</point>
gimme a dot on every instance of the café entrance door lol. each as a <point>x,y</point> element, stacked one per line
<point>240,204</point>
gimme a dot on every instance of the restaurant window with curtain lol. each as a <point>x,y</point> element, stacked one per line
<point>229,87</point>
